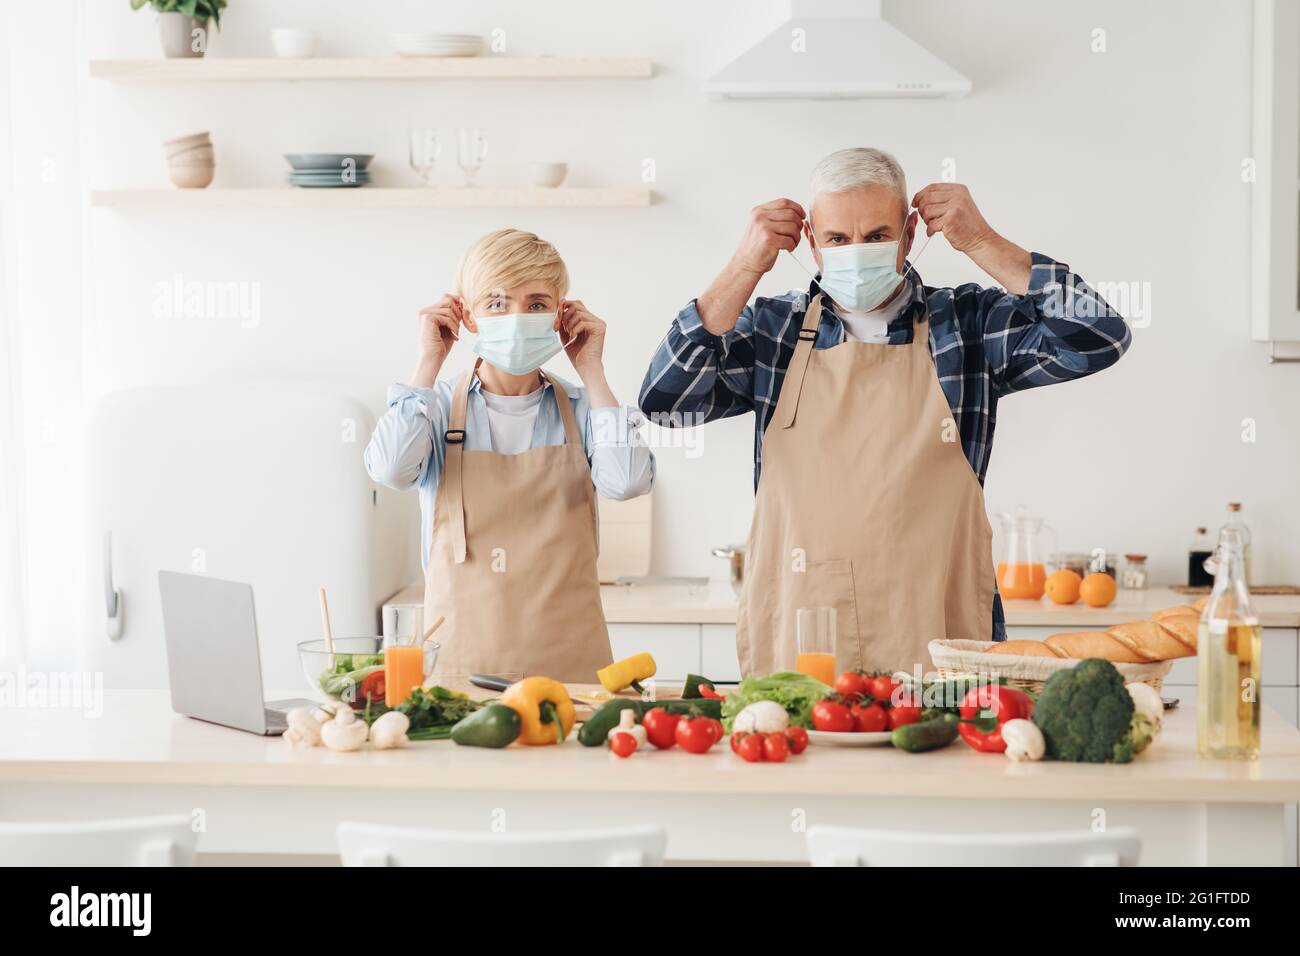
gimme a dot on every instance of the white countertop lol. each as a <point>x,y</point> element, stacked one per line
<point>715,603</point>
<point>137,740</point>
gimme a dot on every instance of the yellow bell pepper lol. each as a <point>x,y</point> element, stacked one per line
<point>546,714</point>
<point>628,672</point>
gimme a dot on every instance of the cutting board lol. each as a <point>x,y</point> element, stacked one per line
<point>624,538</point>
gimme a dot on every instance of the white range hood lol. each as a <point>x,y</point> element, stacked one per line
<point>836,49</point>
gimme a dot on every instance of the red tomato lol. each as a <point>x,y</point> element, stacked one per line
<point>622,744</point>
<point>372,688</point>
<point>775,748</point>
<point>851,684</point>
<point>798,738</point>
<point>903,715</point>
<point>660,727</point>
<point>718,730</point>
<point>869,719</point>
<point>829,714</point>
<point>881,687</point>
<point>750,748</point>
<point>735,741</point>
<point>695,734</point>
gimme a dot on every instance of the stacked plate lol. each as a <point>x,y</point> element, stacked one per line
<point>437,44</point>
<point>316,170</point>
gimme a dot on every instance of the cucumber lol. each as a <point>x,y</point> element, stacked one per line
<point>691,686</point>
<point>596,728</point>
<point>927,735</point>
<point>494,725</point>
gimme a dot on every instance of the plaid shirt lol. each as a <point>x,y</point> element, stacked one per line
<point>986,344</point>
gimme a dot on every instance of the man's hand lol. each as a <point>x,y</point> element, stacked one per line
<point>949,209</point>
<point>586,337</point>
<point>439,329</point>
<point>773,226</point>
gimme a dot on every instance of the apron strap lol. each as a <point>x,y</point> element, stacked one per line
<point>571,434</point>
<point>798,367</point>
<point>454,462</point>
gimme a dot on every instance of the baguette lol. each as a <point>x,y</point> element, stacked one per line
<point>1025,649</point>
<point>1170,633</point>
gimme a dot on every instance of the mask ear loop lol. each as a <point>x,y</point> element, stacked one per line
<point>911,264</point>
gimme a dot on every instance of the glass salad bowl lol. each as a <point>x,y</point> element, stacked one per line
<point>354,673</point>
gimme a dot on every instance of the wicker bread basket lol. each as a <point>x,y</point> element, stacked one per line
<point>957,658</point>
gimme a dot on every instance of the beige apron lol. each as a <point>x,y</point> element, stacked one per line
<point>866,504</point>
<point>512,563</point>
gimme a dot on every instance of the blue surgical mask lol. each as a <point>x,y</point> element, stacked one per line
<point>518,343</point>
<point>862,275</point>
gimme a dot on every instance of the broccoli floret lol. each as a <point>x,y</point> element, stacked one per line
<point>1085,714</point>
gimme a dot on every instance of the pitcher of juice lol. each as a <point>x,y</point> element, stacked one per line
<point>1022,565</point>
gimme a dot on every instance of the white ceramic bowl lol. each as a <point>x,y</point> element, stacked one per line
<point>547,175</point>
<point>293,44</point>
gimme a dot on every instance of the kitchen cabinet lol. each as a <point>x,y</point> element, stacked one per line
<point>676,647</point>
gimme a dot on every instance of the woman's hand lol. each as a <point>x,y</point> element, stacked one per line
<point>586,337</point>
<point>439,329</point>
<point>585,334</point>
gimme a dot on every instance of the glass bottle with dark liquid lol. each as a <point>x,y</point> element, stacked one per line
<point>1197,576</point>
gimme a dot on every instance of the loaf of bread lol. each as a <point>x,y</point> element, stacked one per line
<point>1168,634</point>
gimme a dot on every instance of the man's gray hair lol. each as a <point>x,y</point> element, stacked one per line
<point>847,169</point>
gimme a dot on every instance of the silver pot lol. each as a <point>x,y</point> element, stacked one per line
<point>736,556</point>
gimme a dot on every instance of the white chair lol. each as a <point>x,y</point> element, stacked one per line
<point>364,844</point>
<point>845,846</point>
<point>141,841</point>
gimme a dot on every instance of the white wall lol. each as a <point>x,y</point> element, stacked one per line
<point>1124,164</point>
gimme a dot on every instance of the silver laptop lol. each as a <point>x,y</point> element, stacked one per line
<point>212,654</point>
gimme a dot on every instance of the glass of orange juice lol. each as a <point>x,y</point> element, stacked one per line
<point>814,630</point>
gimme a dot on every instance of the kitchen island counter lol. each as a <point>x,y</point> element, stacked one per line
<point>261,795</point>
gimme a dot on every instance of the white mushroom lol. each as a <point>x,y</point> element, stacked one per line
<point>1024,740</point>
<point>1148,714</point>
<point>389,730</point>
<point>344,732</point>
<point>303,728</point>
<point>761,717</point>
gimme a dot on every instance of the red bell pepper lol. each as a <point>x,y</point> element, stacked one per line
<point>983,712</point>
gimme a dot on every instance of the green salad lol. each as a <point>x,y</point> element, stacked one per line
<point>349,671</point>
<point>797,693</point>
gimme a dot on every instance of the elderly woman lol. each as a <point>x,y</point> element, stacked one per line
<point>874,398</point>
<point>508,460</point>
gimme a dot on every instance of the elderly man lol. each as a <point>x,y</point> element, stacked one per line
<point>874,397</point>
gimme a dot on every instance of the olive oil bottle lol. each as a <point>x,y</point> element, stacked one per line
<point>1228,654</point>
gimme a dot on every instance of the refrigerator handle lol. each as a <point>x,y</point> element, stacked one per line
<point>113,603</point>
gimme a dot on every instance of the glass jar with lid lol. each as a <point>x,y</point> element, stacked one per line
<point>1134,576</point>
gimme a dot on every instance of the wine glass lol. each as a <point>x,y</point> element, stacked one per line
<point>473,150</point>
<point>425,150</point>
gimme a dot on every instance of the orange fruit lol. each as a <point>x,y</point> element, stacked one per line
<point>1098,589</point>
<point>1063,586</point>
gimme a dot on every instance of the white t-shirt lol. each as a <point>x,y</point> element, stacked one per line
<point>511,419</point>
<point>863,326</point>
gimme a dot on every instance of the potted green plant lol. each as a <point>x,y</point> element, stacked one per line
<point>183,24</point>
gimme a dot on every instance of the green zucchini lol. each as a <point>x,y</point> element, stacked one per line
<point>691,687</point>
<point>596,728</point>
<point>494,725</point>
<point>926,735</point>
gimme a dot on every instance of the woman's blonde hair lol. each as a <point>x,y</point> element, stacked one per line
<point>506,258</point>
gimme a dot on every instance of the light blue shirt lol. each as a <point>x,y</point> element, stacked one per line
<point>407,447</point>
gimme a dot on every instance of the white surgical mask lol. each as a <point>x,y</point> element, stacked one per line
<point>518,343</point>
<point>862,275</point>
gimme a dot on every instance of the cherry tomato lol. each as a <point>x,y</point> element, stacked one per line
<point>735,740</point>
<point>798,738</point>
<point>881,687</point>
<point>775,748</point>
<point>750,747</point>
<point>829,714</point>
<point>660,727</point>
<point>718,730</point>
<point>851,684</point>
<point>372,688</point>
<point>869,719</point>
<point>695,734</point>
<point>622,744</point>
<point>903,715</point>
